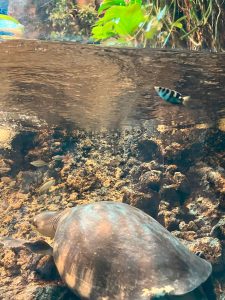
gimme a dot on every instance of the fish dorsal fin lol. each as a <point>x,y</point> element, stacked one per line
<point>40,247</point>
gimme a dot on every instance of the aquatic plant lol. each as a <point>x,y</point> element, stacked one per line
<point>194,24</point>
<point>199,22</point>
<point>69,20</point>
<point>61,17</point>
<point>133,23</point>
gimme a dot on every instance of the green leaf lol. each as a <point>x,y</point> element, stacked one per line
<point>153,27</point>
<point>123,20</point>
<point>109,3</point>
<point>130,18</point>
<point>181,19</point>
<point>161,13</point>
<point>194,15</point>
<point>178,23</point>
<point>136,1</point>
<point>104,32</point>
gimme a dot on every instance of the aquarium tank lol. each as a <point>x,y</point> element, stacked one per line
<point>112,150</point>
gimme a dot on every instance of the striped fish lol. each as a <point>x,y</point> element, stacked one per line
<point>171,96</point>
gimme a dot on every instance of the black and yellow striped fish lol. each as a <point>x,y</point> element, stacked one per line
<point>171,96</point>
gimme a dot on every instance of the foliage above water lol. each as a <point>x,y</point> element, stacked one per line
<point>178,23</point>
<point>69,20</point>
<point>134,23</point>
<point>192,24</point>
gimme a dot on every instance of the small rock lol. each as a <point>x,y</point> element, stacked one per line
<point>219,229</point>
<point>148,202</point>
<point>148,149</point>
<point>42,291</point>
<point>151,180</point>
<point>182,183</point>
<point>17,200</point>
<point>6,179</point>
<point>185,235</point>
<point>152,165</point>
<point>169,219</point>
<point>191,226</point>
<point>203,209</point>
<point>4,170</point>
<point>171,169</point>
<point>53,292</point>
<point>218,180</point>
<point>212,249</point>
<point>170,194</point>
<point>173,151</point>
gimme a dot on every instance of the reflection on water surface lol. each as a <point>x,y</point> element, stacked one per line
<point>93,87</point>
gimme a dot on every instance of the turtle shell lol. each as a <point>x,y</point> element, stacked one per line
<point>109,250</point>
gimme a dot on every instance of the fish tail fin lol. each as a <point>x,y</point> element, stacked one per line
<point>186,100</point>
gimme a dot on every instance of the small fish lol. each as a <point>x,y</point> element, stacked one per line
<point>46,186</point>
<point>8,242</point>
<point>58,157</point>
<point>38,163</point>
<point>171,96</point>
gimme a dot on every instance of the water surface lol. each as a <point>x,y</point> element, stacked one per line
<point>93,87</point>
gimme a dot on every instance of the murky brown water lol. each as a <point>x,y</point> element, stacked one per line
<point>175,175</point>
<point>93,87</point>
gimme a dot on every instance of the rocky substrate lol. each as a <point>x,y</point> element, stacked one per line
<point>175,175</point>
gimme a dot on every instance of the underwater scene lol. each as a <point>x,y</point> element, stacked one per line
<point>82,124</point>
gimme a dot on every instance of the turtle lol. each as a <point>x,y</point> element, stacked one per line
<point>113,251</point>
